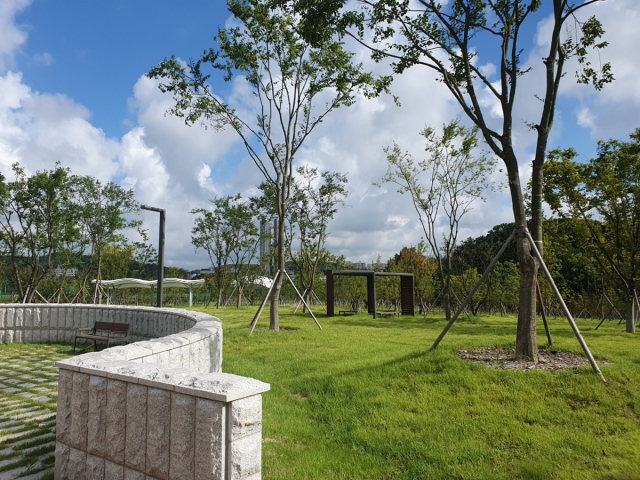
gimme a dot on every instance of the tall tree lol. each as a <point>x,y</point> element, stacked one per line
<point>314,203</point>
<point>101,215</point>
<point>244,246</point>
<point>229,236</point>
<point>446,38</point>
<point>605,194</point>
<point>444,184</point>
<point>286,74</point>
<point>35,222</point>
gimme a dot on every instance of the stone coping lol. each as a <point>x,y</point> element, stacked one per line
<point>222,387</point>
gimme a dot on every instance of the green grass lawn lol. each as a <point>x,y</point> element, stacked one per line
<point>367,399</point>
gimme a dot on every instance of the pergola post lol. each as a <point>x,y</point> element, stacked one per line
<point>330,293</point>
<point>407,296</point>
<point>371,293</point>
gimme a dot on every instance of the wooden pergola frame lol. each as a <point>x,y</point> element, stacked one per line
<point>407,302</point>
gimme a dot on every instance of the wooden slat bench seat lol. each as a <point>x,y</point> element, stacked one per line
<point>386,313</point>
<point>347,312</point>
<point>104,332</point>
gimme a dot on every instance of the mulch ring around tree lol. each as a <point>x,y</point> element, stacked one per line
<point>502,359</point>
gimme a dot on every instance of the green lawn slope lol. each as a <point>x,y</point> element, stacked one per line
<point>366,399</point>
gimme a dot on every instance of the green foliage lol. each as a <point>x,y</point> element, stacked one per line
<point>315,200</point>
<point>447,38</point>
<point>117,261</point>
<point>603,196</point>
<point>285,72</point>
<point>37,223</point>
<point>50,219</point>
<point>452,176</point>
<point>444,184</point>
<point>230,237</point>
<point>413,260</point>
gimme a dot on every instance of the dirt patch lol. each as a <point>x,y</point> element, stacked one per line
<point>503,359</point>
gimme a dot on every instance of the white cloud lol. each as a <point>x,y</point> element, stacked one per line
<point>614,111</point>
<point>12,36</point>
<point>144,168</point>
<point>38,130</point>
<point>586,118</point>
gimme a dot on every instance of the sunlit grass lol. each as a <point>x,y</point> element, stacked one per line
<point>366,398</point>
<point>28,387</point>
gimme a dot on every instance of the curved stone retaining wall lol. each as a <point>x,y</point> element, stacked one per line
<point>159,408</point>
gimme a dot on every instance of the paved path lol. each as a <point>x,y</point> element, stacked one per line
<point>28,396</point>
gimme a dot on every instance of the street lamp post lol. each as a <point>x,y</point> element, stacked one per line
<point>160,249</point>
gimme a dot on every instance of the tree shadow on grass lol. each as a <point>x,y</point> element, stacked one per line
<point>471,327</point>
<point>398,322</point>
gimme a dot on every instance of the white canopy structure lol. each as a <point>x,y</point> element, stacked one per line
<point>122,283</point>
<point>262,281</point>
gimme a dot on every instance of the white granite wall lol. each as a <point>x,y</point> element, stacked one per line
<point>120,420</point>
<point>159,408</point>
<point>41,323</point>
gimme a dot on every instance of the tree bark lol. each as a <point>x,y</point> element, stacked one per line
<point>631,324</point>
<point>526,342</point>
<point>447,288</point>
<point>307,298</point>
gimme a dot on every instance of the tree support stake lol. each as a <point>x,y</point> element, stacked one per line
<point>574,327</point>
<point>474,289</point>
<point>486,273</point>
<point>266,297</point>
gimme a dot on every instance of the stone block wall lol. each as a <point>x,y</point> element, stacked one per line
<point>159,408</point>
<point>169,336</point>
<point>127,421</point>
<point>42,323</point>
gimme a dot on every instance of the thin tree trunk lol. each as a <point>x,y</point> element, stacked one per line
<point>447,291</point>
<point>631,324</point>
<point>274,322</point>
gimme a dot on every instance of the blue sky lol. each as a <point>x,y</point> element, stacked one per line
<point>72,88</point>
<point>98,50</point>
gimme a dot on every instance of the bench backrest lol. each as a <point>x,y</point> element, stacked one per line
<point>114,327</point>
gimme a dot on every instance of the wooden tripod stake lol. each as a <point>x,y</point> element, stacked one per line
<point>486,273</point>
<point>266,297</point>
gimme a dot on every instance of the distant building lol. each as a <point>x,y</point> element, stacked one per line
<point>265,243</point>
<point>379,267</point>
<point>68,273</point>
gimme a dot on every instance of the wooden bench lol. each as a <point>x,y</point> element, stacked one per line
<point>104,332</point>
<point>347,312</point>
<point>386,313</point>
